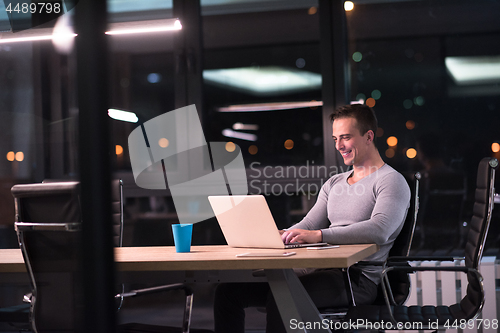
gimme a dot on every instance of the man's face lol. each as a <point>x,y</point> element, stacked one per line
<point>349,142</point>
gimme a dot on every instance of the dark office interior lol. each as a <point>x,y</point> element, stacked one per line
<point>265,75</point>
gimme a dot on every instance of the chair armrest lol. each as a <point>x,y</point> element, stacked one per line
<point>428,268</point>
<point>421,258</point>
<point>370,263</point>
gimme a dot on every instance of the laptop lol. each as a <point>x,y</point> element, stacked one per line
<point>246,221</point>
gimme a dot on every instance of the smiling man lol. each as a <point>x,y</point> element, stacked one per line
<point>367,204</point>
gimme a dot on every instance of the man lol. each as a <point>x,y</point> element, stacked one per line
<point>365,205</point>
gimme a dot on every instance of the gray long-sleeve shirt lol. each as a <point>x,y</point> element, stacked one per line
<point>372,210</point>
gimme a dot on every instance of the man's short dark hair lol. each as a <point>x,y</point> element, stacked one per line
<point>364,115</point>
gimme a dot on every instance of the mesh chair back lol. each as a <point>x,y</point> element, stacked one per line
<point>476,238</point>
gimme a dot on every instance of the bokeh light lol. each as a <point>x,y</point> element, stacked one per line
<point>19,156</point>
<point>11,156</point>
<point>495,147</point>
<point>410,124</point>
<point>357,56</point>
<point>361,96</point>
<point>119,150</point>
<point>370,102</point>
<point>163,142</point>
<point>389,153</point>
<point>252,150</point>
<point>230,147</point>
<point>407,104</point>
<point>411,153</point>
<point>392,141</point>
<point>348,6</point>
<point>289,144</point>
<point>419,100</point>
<point>376,94</point>
<point>312,10</point>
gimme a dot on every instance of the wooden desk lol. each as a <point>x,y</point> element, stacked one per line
<point>217,257</point>
<point>291,298</point>
<point>222,257</point>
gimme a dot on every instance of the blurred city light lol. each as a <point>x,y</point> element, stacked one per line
<point>392,141</point>
<point>411,153</point>
<point>370,102</point>
<point>376,94</point>
<point>230,147</point>
<point>410,124</point>
<point>253,149</point>
<point>11,156</point>
<point>163,142</point>
<point>348,6</point>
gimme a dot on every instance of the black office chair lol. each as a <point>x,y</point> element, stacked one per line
<point>399,281</point>
<point>48,223</point>
<point>440,189</point>
<point>426,317</point>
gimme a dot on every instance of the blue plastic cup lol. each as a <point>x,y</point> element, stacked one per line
<point>182,237</point>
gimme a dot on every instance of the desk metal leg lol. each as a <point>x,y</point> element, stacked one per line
<point>293,301</point>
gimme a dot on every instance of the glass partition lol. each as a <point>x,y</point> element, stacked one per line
<point>262,82</point>
<point>431,71</point>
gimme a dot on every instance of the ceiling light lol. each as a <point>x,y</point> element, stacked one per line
<point>121,28</point>
<point>269,106</point>
<point>245,127</point>
<point>127,28</point>
<point>238,135</point>
<point>474,70</point>
<point>264,81</point>
<point>26,39</point>
<point>123,115</point>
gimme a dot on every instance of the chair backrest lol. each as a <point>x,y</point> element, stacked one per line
<point>116,204</point>
<point>402,243</point>
<point>47,216</point>
<point>443,193</point>
<point>400,281</point>
<point>473,301</point>
<point>47,202</point>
